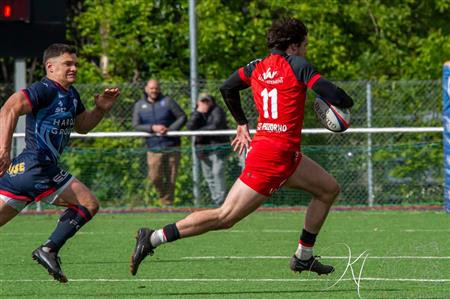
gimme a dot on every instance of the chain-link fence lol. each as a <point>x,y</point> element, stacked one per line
<point>380,168</point>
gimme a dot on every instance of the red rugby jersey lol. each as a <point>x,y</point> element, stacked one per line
<point>279,84</point>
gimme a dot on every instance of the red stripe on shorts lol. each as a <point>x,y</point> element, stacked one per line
<point>14,196</point>
<point>45,194</point>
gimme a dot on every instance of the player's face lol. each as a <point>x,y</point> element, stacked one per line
<point>152,89</point>
<point>302,48</point>
<point>63,69</point>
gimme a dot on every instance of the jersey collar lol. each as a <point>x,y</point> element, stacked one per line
<point>279,52</point>
<point>56,84</point>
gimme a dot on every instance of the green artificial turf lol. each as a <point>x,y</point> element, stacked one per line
<point>408,256</point>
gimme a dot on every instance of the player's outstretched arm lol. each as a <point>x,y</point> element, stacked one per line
<point>16,105</point>
<point>87,120</point>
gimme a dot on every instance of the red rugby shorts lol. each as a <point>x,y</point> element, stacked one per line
<point>268,166</point>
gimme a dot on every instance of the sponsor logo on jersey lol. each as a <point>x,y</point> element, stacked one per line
<point>269,77</point>
<point>270,127</point>
<point>16,169</point>
<point>268,74</point>
<point>60,107</point>
<point>42,186</point>
<point>60,176</point>
<point>63,126</point>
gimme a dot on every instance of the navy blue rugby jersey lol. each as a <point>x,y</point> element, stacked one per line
<point>51,120</point>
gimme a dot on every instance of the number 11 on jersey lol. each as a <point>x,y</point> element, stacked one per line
<point>273,95</point>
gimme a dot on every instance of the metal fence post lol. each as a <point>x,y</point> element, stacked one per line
<point>194,93</point>
<point>369,145</point>
<point>20,81</point>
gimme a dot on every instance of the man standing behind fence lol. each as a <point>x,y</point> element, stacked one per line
<point>211,149</point>
<point>158,114</point>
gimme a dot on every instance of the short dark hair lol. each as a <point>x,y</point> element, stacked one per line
<point>55,50</point>
<point>284,32</point>
<point>205,96</point>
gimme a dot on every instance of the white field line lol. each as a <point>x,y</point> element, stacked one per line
<point>375,230</point>
<point>262,257</point>
<point>242,231</point>
<point>230,280</point>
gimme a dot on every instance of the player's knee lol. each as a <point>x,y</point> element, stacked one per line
<point>227,223</point>
<point>333,192</point>
<point>224,220</point>
<point>329,193</point>
<point>92,204</point>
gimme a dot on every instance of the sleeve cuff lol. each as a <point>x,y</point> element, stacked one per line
<point>313,80</point>
<point>243,77</point>
<point>27,96</point>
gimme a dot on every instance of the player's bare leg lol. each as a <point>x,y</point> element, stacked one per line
<point>311,177</point>
<point>78,194</point>
<point>6,213</point>
<point>240,202</point>
<point>81,207</point>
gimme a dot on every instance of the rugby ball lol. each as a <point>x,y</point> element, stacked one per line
<point>331,117</point>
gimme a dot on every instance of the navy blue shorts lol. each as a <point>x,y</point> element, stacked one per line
<point>28,180</point>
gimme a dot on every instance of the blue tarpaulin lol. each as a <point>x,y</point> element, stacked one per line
<point>446,137</point>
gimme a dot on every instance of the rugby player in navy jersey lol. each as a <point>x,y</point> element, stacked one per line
<point>53,110</point>
<point>274,158</point>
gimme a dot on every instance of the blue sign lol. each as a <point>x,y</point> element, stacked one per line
<point>446,137</point>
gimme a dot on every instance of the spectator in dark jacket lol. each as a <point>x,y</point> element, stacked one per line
<point>211,150</point>
<point>156,113</point>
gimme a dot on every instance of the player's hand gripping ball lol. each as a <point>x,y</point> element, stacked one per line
<point>331,117</point>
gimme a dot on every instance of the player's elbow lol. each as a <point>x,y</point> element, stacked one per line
<point>332,93</point>
<point>224,88</point>
<point>345,100</point>
<point>340,99</point>
<point>228,91</point>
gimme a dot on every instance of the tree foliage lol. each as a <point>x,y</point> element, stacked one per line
<point>365,39</point>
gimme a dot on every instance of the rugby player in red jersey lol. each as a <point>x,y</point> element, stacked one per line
<point>279,83</point>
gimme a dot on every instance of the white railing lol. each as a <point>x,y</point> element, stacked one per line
<point>233,132</point>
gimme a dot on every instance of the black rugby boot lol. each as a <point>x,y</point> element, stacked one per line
<point>51,262</point>
<point>142,249</point>
<point>312,265</point>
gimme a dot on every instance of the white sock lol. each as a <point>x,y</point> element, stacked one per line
<point>304,252</point>
<point>158,238</point>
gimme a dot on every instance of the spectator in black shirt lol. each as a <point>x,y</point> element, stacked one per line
<point>211,150</point>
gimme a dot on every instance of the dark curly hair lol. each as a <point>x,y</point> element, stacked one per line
<point>286,31</point>
<point>55,50</point>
